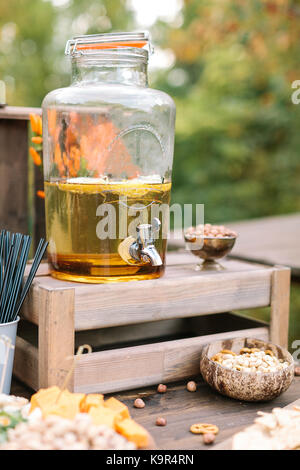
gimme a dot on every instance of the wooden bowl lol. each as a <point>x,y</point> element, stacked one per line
<point>246,386</point>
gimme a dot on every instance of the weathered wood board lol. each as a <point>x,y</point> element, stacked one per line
<point>137,366</point>
<point>182,409</point>
<point>123,357</point>
<point>181,292</point>
<point>62,312</point>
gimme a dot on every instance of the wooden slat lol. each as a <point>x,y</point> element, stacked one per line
<point>43,269</point>
<point>280,306</point>
<point>56,337</point>
<point>182,292</point>
<point>166,330</point>
<point>13,175</point>
<point>31,307</point>
<point>138,366</point>
<point>26,363</point>
<point>182,296</point>
<point>17,112</point>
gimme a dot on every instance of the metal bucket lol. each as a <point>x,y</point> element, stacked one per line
<point>8,332</point>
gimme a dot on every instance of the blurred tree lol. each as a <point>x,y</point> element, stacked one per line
<point>33,34</point>
<point>237,145</point>
<point>237,140</point>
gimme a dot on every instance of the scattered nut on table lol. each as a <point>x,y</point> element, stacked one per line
<point>209,438</point>
<point>297,371</point>
<point>191,386</point>
<point>161,421</point>
<point>139,403</point>
<point>162,388</point>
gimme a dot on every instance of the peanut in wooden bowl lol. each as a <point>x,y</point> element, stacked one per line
<point>241,385</point>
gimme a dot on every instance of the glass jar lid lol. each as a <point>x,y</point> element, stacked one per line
<point>92,44</point>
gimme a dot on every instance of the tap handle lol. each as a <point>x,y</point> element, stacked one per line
<point>146,233</point>
<point>156,224</point>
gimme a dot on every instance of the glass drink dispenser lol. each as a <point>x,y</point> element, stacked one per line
<point>108,151</point>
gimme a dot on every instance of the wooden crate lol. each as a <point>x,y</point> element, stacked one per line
<point>144,332</point>
<point>19,178</point>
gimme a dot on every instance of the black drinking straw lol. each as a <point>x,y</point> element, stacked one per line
<point>35,265</point>
<point>1,254</point>
<point>17,281</point>
<point>5,278</point>
<point>16,240</point>
<point>14,250</point>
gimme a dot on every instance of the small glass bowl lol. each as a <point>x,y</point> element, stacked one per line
<point>209,249</point>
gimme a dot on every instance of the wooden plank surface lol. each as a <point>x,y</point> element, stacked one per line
<point>122,369</point>
<point>13,175</point>
<point>280,306</point>
<point>56,337</point>
<point>43,269</point>
<point>182,292</point>
<point>269,240</point>
<point>182,409</point>
<point>26,363</point>
<point>123,357</point>
<point>18,112</point>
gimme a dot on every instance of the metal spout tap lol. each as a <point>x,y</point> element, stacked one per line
<point>150,254</point>
<point>142,249</point>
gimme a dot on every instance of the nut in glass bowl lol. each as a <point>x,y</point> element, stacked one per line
<point>210,243</point>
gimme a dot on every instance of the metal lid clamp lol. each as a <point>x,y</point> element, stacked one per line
<point>95,43</point>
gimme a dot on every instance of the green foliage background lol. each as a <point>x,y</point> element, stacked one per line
<point>237,136</point>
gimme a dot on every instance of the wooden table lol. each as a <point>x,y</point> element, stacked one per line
<point>182,408</point>
<point>116,320</point>
<point>269,240</point>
